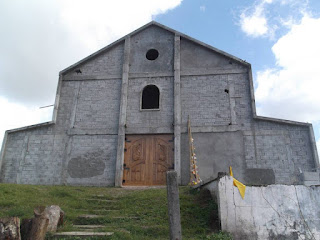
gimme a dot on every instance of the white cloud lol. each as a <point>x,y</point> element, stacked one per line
<point>253,21</point>
<point>291,90</point>
<point>202,8</point>
<point>98,22</point>
<point>44,37</point>
<point>264,17</point>
<point>16,115</point>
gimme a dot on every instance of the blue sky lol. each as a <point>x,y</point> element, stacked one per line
<point>280,38</point>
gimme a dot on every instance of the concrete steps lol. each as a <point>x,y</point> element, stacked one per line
<point>100,200</point>
<point>94,222</point>
<point>88,226</point>
<point>99,210</point>
<point>90,216</point>
<point>81,234</point>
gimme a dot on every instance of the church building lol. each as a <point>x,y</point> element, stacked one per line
<point>121,119</point>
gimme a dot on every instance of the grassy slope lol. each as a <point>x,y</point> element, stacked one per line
<point>140,214</point>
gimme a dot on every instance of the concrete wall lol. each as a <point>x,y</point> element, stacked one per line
<point>284,148</point>
<point>196,58</point>
<point>33,157</point>
<point>146,121</point>
<point>152,37</point>
<point>107,64</point>
<point>272,212</point>
<point>97,106</point>
<point>217,95</point>
<point>212,87</point>
<point>215,153</point>
<point>91,160</point>
<point>80,148</point>
<point>204,99</point>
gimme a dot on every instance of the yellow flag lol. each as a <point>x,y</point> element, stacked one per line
<point>239,185</point>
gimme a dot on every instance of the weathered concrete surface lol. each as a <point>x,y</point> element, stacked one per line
<point>215,153</point>
<point>122,114</point>
<point>173,206</point>
<point>259,176</point>
<point>272,212</point>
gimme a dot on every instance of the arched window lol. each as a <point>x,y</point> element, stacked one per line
<point>150,97</point>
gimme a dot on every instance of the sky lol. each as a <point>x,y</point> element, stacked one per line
<point>280,38</point>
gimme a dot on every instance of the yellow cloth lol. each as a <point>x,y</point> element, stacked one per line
<point>239,185</point>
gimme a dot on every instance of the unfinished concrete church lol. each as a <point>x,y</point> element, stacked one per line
<point>120,118</point>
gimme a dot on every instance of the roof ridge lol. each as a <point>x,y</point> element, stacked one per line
<point>163,27</point>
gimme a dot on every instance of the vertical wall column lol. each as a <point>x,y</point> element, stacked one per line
<point>57,100</point>
<point>122,114</point>
<point>3,149</point>
<point>233,116</point>
<point>314,148</point>
<point>69,139</point>
<point>21,161</point>
<point>177,108</point>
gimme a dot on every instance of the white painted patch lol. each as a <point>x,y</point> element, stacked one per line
<point>286,211</point>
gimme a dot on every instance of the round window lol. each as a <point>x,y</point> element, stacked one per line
<point>152,54</point>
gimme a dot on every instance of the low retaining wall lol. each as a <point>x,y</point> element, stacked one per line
<point>271,212</point>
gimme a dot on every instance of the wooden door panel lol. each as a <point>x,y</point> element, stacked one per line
<point>147,158</point>
<point>134,161</point>
<point>163,159</point>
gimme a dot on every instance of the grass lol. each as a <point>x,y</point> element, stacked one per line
<point>136,214</point>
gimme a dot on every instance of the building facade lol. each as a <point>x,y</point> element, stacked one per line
<point>120,118</point>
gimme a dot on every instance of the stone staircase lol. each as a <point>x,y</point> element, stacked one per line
<point>94,222</point>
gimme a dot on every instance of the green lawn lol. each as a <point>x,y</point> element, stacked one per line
<point>130,214</point>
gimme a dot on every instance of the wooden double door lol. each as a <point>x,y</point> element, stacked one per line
<point>147,158</point>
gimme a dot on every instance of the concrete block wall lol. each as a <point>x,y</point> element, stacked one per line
<point>215,152</point>
<point>98,105</point>
<point>152,37</point>
<point>278,150</point>
<point>12,156</point>
<point>33,156</point>
<point>106,64</point>
<point>197,59</point>
<point>284,148</point>
<point>240,100</point>
<point>80,148</point>
<point>150,121</point>
<point>68,95</point>
<point>93,115</point>
<point>91,160</point>
<point>204,99</point>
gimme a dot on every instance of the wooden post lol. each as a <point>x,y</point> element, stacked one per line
<point>177,108</point>
<point>190,149</point>
<point>122,114</point>
<point>10,228</point>
<point>173,206</point>
<point>39,224</point>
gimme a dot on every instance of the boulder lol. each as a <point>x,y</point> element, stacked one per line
<point>55,215</point>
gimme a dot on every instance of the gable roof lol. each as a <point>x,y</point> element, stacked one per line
<point>154,23</point>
